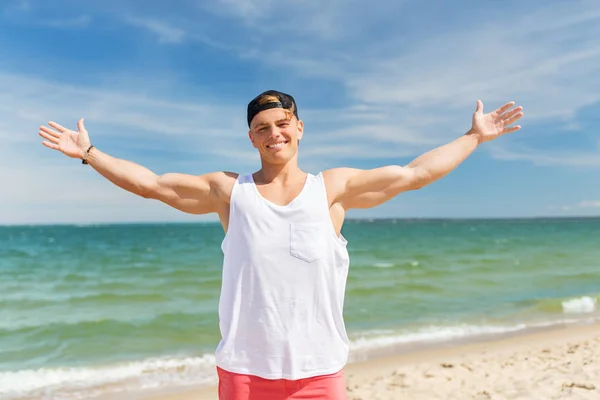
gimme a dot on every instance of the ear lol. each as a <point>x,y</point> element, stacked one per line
<point>300,127</point>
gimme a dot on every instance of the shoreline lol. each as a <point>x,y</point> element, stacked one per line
<point>437,371</point>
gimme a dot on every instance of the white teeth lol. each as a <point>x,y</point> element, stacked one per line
<point>275,145</point>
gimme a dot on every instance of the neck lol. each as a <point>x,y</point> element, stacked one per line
<point>279,172</point>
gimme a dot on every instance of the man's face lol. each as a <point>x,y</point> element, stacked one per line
<point>275,135</point>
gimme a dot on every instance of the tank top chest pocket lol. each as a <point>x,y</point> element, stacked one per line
<point>307,240</point>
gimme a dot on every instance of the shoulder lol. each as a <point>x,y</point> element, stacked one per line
<point>336,180</point>
<point>339,176</point>
<point>223,177</point>
<point>221,183</point>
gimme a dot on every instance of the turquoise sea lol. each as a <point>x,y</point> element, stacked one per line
<point>91,310</point>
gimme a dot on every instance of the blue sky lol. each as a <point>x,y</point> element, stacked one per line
<point>166,84</point>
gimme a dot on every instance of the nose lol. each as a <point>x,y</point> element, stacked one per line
<point>275,133</point>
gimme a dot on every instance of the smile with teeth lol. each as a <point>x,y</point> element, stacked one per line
<point>277,145</point>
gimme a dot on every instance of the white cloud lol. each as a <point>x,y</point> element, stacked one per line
<point>31,99</point>
<point>247,10</point>
<point>290,23</point>
<point>583,207</point>
<point>165,32</point>
<point>589,204</point>
<point>447,73</point>
<point>176,31</point>
<point>590,159</point>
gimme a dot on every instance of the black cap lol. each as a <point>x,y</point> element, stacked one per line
<point>286,102</point>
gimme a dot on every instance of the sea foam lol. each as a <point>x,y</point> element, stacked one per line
<point>79,383</point>
<point>429,334</point>
<point>378,339</point>
<point>579,305</point>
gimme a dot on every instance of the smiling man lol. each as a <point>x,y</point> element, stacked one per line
<point>285,260</point>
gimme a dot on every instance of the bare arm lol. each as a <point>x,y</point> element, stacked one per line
<point>192,194</point>
<point>355,188</point>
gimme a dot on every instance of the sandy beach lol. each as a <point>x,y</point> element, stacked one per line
<point>561,363</point>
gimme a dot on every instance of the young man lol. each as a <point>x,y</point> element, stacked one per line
<point>285,260</point>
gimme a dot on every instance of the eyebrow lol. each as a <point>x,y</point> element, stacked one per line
<point>266,123</point>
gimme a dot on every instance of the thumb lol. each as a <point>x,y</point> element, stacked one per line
<point>80,126</point>
<point>479,108</point>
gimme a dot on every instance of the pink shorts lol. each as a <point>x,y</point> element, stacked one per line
<point>234,386</point>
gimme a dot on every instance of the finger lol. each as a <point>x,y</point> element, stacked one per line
<point>49,131</point>
<point>58,127</point>
<point>80,126</point>
<point>46,136</point>
<point>513,119</point>
<point>479,108</point>
<point>511,129</point>
<point>504,108</point>
<point>51,145</point>
<point>512,112</point>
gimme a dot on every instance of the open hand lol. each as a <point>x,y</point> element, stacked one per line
<point>492,125</point>
<point>73,144</point>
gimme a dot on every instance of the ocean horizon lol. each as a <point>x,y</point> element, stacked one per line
<point>346,220</point>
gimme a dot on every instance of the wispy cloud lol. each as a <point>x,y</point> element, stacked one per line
<point>247,10</point>
<point>165,32</point>
<point>334,22</point>
<point>547,59</point>
<point>544,157</point>
<point>590,204</point>
<point>429,84</point>
<point>37,99</point>
<point>581,206</point>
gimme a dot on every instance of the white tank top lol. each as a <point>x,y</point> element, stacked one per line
<point>284,278</point>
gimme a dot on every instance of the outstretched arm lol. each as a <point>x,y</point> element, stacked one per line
<point>192,194</point>
<point>355,188</point>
